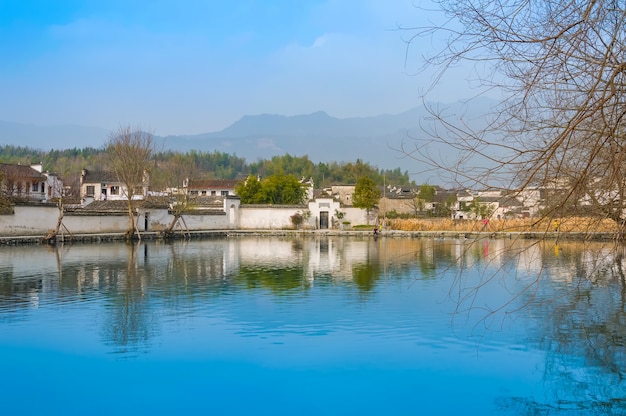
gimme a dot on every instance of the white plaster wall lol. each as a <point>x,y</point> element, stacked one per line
<point>38,220</point>
<point>158,219</point>
<point>358,216</point>
<point>82,224</point>
<point>29,220</point>
<point>273,218</point>
<point>205,222</point>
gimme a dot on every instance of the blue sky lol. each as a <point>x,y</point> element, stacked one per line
<point>192,66</point>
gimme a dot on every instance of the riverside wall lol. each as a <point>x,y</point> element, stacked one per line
<point>63,238</point>
<point>28,224</point>
<point>31,222</point>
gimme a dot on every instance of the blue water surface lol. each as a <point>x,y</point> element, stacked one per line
<point>319,326</point>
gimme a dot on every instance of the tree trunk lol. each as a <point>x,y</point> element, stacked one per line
<point>51,237</point>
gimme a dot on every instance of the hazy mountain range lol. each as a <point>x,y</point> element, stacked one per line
<point>377,140</point>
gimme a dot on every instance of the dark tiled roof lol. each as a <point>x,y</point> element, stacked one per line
<point>207,201</point>
<point>486,199</point>
<point>99,208</point>
<point>101,176</point>
<point>511,201</point>
<point>111,206</point>
<point>156,202</point>
<point>20,171</point>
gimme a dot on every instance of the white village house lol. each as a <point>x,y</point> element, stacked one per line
<point>104,185</point>
<point>30,182</point>
<point>210,187</point>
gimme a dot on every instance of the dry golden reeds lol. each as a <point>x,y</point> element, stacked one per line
<point>572,224</point>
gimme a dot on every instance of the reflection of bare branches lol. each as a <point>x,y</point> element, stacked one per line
<point>576,293</point>
<point>583,315</point>
<point>131,324</point>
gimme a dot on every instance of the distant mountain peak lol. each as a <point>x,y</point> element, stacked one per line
<point>379,140</point>
<point>311,124</point>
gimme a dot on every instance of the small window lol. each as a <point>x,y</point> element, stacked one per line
<point>35,187</point>
<point>194,192</point>
<point>203,193</point>
<point>224,193</point>
<point>115,190</point>
<point>213,193</point>
<point>91,190</point>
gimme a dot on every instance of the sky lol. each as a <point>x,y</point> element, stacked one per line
<point>193,66</point>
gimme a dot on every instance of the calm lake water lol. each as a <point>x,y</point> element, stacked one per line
<point>313,326</point>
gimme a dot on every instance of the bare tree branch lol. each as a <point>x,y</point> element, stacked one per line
<point>130,152</point>
<point>560,66</point>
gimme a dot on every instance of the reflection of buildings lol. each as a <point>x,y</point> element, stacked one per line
<point>138,283</point>
<point>29,273</point>
<point>317,255</point>
<point>331,257</point>
<point>118,268</point>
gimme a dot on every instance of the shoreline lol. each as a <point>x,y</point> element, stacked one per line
<point>208,234</point>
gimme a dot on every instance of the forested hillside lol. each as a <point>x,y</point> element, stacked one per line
<point>68,164</point>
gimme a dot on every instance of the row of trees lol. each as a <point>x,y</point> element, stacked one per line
<point>287,189</point>
<point>205,165</point>
<point>275,189</point>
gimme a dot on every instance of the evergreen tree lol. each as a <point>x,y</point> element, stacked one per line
<point>366,195</point>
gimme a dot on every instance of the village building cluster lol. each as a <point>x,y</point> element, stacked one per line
<point>31,184</point>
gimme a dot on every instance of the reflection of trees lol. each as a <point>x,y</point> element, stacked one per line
<point>277,279</point>
<point>437,255</point>
<point>581,323</point>
<point>129,324</point>
<point>366,274</point>
<point>573,293</point>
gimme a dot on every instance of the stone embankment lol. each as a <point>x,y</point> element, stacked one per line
<point>150,236</point>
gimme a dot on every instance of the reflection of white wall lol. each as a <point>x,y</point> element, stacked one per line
<point>327,257</point>
<point>42,270</point>
<point>317,256</point>
<point>323,258</point>
<point>87,267</point>
<point>269,251</point>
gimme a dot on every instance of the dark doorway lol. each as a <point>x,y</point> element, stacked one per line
<point>324,220</point>
<point>146,222</point>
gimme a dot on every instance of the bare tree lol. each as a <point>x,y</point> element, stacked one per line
<point>178,173</point>
<point>130,152</point>
<point>561,125</point>
<point>50,237</point>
